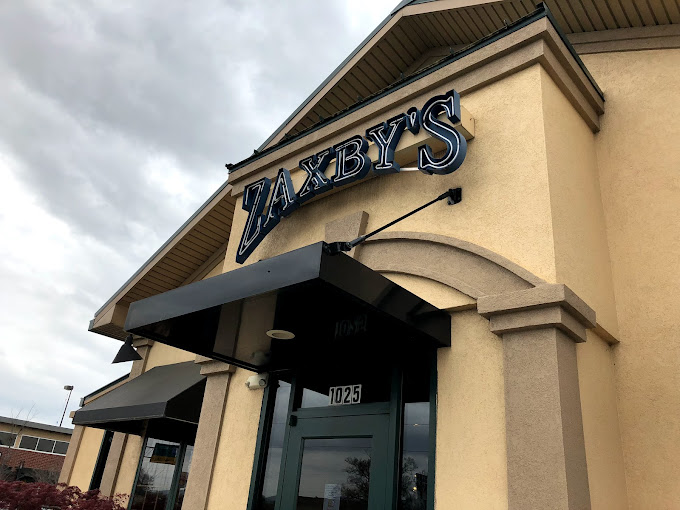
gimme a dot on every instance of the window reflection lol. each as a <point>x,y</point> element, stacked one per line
<point>273,465</point>
<point>184,476</point>
<point>414,458</point>
<point>335,474</point>
<point>311,398</point>
<point>416,434</point>
<point>155,475</point>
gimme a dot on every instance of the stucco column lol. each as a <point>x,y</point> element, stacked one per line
<point>544,428</point>
<point>71,454</point>
<point>115,457</point>
<point>208,434</point>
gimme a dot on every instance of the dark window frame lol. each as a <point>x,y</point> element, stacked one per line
<point>57,442</point>
<point>37,442</point>
<point>102,457</point>
<point>42,441</point>
<point>8,433</point>
<point>26,436</point>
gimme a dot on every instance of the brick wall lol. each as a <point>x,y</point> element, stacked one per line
<point>13,457</point>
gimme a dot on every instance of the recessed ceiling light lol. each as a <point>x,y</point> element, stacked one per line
<point>280,334</point>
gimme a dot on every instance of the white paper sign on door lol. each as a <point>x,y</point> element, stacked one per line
<point>331,496</point>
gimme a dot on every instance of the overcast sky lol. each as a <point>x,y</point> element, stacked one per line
<point>116,120</point>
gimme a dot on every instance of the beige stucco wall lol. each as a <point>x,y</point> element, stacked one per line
<point>531,194</point>
<point>506,202</point>
<point>471,455</point>
<point>582,262</point>
<point>86,458</point>
<point>579,233</point>
<point>638,152</point>
<point>128,465</point>
<point>236,446</point>
<point>161,354</point>
<point>601,432</point>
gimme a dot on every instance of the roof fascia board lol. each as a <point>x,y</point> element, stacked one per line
<point>622,34</point>
<point>207,206</point>
<point>570,48</point>
<point>627,39</point>
<point>25,424</point>
<point>401,5</point>
<point>429,6</point>
<point>114,314</point>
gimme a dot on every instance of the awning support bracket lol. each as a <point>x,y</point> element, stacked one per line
<point>454,196</point>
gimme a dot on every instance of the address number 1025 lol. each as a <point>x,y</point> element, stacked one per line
<point>341,395</point>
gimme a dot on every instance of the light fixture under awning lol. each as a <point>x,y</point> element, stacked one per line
<point>325,300</point>
<point>166,398</point>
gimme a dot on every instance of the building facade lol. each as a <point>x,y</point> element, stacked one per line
<point>32,451</point>
<point>514,344</point>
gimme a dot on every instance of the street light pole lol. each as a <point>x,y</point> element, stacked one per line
<point>69,388</point>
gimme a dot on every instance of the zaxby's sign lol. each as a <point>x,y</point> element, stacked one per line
<point>352,163</point>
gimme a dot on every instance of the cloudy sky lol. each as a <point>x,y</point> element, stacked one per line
<point>116,120</point>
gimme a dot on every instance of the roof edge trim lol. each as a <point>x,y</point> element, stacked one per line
<point>330,76</point>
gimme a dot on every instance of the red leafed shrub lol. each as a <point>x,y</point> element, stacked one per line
<point>38,496</point>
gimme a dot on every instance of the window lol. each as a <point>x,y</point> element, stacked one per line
<point>28,442</point>
<point>104,449</point>
<point>60,447</point>
<point>7,439</point>
<point>416,435</point>
<point>41,444</point>
<point>267,496</point>
<point>45,445</point>
<point>162,476</point>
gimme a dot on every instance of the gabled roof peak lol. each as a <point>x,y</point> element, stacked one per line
<point>417,33</point>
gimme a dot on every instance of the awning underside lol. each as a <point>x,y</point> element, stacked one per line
<point>166,397</point>
<point>324,299</point>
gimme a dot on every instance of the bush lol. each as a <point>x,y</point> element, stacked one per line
<point>39,496</point>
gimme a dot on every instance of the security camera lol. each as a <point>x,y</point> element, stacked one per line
<point>257,381</point>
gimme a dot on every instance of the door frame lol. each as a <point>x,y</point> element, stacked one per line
<point>334,425</point>
<point>396,417</point>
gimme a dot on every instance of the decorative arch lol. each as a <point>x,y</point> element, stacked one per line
<point>461,265</point>
<point>539,324</point>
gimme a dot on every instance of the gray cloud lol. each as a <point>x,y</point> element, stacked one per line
<point>116,121</point>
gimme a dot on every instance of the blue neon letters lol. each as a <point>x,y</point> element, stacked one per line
<point>352,163</point>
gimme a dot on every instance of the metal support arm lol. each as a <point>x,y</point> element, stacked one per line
<point>454,196</point>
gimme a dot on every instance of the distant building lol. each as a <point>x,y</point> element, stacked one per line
<point>32,451</point>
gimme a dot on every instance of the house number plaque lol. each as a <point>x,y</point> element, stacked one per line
<point>343,395</point>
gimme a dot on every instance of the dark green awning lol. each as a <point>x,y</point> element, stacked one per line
<point>322,298</point>
<point>169,397</point>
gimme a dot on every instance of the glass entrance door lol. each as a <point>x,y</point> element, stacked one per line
<point>336,462</point>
